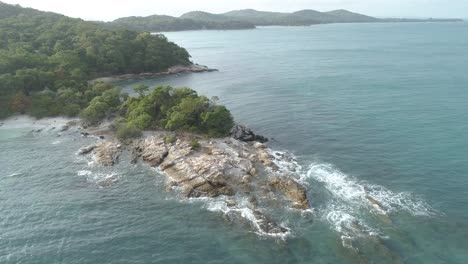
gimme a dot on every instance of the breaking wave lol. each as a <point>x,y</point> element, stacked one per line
<point>101,179</point>
<point>352,202</point>
<point>253,216</point>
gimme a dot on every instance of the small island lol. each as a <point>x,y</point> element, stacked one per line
<point>46,67</point>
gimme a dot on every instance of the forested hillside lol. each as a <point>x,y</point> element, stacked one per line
<point>46,59</point>
<point>157,23</point>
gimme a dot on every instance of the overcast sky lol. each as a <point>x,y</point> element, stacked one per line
<point>112,9</point>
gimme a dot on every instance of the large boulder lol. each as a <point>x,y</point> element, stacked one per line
<point>152,150</point>
<point>292,190</point>
<point>86,150</point>
<point>107,153</point>
<point>243,133</point>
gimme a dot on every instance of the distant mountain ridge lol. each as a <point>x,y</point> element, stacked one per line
<point>249,19</point>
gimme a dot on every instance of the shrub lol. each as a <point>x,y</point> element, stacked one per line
<point>128,132</point>
<point>195,145</point>
<point>118,123</point>
<point>95,112</point>
<point>142,121</point>
<point>170,139</point>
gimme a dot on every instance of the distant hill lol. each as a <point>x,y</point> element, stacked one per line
<point>189,21</point>
<point>248,19</point>
<point>205,16</point>
<point>263,18</point>
<point>316,15</point>
<point>7,10</point>
<point>345,16</point>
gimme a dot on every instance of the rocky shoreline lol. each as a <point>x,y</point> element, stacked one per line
<point>229,169</point>
<point>178,69</point>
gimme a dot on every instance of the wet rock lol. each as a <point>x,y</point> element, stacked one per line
<point>267,226</point>
<point>64,128</point>
<point>292,190</point>
<point>107,153</point>
<point>85,134</point>
<point>86,150</point>
<point>243,175</point>
<point>243,133</point>
<point>265,158</point>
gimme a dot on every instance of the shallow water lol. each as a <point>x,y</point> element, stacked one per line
<point>373,110</point>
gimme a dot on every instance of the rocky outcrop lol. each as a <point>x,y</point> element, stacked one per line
<point>104,153</point>
<point>188,68</point>
<point>237,172</point>
<point>86,150</point>
<point>243,133</point>
<point>177,69</point>
<point>152,150</point>
<point>292,190</point>
<point>214,170</point>
<point>107,153</point>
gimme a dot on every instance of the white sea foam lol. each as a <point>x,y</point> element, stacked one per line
<point>243,210</point>
<point>353,192</point>
<point>15,174</point>
<point>285,161</point>
<point>101,179</point>
<point>56,142</point>
<point>84,173</point>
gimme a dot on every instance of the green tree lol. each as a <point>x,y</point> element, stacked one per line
<point>217,122</point>
<point>141,89</point>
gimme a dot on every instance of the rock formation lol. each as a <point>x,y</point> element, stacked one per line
<point>243,133</point>
<point>227,168</point>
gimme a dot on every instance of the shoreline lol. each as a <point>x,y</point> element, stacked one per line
<point>174,70</point>
<point>26,121</point>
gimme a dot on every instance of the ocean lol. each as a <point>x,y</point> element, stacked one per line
<point>367,109</point>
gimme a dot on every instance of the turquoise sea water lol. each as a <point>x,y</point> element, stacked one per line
<point>376,109</point>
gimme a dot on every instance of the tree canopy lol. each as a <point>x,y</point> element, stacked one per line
<point>179,109</point>
<point>46,56</point>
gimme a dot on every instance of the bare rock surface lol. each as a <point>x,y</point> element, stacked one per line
<point>292,190</point>
<point>225,169</point>
<point>105,153</point>
<point>177,69</point>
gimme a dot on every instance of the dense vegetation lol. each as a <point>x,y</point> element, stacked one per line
<point>156,23</point>
<point>178,109</point>
<point>46,60</point>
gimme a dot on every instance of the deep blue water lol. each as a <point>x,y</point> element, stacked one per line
<point>375,109</point>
